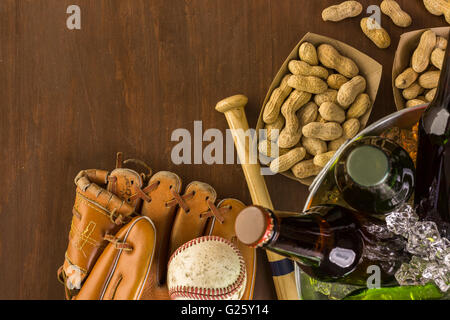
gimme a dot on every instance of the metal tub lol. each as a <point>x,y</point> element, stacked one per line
<point>308,288</point>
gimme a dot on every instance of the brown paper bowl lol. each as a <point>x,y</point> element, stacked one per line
<point>406,46</point>
<point>369,68</point>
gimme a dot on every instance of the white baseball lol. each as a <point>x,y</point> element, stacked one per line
<point>207,268</point>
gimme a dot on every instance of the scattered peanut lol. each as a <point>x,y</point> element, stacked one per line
<point>306,169</point>
<point>406,78</point>
<point>351,128</point>
<point>437,58</point>
<point>321,160</point>
<point>307,114</point>
<point>375,32</point>
<point>304,69</point>
<point>421,56</point>
<point>335,81</point>
<point>438,8</point>
<point>308,84</point>
<point>414,102</point>
<point>422,98</point>
<point>347,9</point>
<point>332,112</point>
<point>336,144</point>
<point>288,160</point>
<point>441,43</point>
<point>429,96</point>
<point>359,107</point>
<point>413,91</point>
<point>430,79</point>
<point>296,100</point>
<point>273,130</point>
<point>328,96</point>
<point>314,146</point>
<point>308,53</point>
<point>288,139</point>
<point>272,108</point>
<point>270,149</point>
<point>393,10</point>
<point>332,59</point>
<point>325,131</point>
<point>350,90</point>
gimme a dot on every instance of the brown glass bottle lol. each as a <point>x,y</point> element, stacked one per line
<point>330,243</point>
<point>433,157</point>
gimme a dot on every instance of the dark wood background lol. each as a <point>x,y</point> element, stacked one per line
<point>137,70</point>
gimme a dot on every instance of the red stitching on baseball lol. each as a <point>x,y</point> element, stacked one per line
<point>199,293</point>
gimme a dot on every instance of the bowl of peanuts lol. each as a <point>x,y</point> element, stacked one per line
<point>417,66</point>
<point>321,97</point>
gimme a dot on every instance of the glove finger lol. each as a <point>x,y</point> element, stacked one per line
<point>190,220</point>
<point>225,229</point>
<point>162,215</point>
<point>126,183</point>
<point>96,212</point>
<point>85,177</point>
<point>121,271</point>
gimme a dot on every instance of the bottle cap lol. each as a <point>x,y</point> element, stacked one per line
<point>254,226</point>
<point>368,165</point>
<point>374,175</point>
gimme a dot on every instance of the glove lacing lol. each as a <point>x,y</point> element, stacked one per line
<point>215,212</point>
<point>212,212</point>
<point>118,244</point>
<point>144,193</point>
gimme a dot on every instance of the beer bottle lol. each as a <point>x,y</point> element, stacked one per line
<point>433,156</point>
<point>375,175</point>
<point>330,243</point>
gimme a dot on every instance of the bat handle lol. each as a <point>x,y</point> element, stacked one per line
<point>233,109</point>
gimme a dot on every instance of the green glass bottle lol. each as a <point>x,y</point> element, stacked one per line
<point>433,157</point>
<point>375,175</point>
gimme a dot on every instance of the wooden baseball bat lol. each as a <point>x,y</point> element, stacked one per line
<point>282,268</point>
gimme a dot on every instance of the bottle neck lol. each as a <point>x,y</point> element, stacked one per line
<point>306,230</point>
<point>300,237</point>
<point>435,122</point>
<point>256,226</point>
<point>442,97</point>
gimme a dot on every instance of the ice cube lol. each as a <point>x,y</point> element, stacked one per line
<point>431,271</point>
<point>402,220</point>
<point>411,273</point>
<point>439,274</point>
<point>439,250</point>
<point>421,238</point>
<point>447,260</point>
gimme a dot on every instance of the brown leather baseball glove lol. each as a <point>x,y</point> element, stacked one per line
<point>126,224</point>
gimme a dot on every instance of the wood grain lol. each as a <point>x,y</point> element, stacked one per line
<point>136,71</point>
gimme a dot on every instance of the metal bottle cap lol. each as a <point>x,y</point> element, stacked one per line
<point>254,226</point>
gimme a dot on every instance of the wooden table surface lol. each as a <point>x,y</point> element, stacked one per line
<point>136,71</point>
